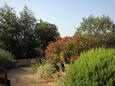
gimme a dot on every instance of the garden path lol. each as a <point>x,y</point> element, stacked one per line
<point>25,76</point>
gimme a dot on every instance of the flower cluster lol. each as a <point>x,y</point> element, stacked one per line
<point>68,49</point>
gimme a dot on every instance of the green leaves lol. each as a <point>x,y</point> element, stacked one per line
<point>95,67</point>
<point>96,25</point>
<point>22,34</point>
<point>5,57</point>
<point>46,32</point>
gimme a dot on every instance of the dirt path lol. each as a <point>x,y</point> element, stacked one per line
<point>25,77</point>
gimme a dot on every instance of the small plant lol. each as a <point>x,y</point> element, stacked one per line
<point>34,64</point>
<point>45,70</point>
<point>94,68</point>
<point>5,57</point>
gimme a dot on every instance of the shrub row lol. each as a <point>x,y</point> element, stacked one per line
<point>68,49</point>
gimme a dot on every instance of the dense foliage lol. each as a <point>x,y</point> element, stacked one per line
<point>21,35</point>
<point>106,40</point>
<point>5,57</point>
<point>96,25</point>
<point>94,68</point>
<point>68,49</point>
<point>101,27</point>
<point>46,32</point>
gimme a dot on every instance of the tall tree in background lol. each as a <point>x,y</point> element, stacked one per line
<point>46,32</point>
<point>27,24</point>
<point>102,27</point>
<point>96,25</point>
<point>16,33</point>
<point>22,35</point>
<point>9,28</point>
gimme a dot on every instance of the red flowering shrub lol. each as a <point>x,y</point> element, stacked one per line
<point>68,49</point>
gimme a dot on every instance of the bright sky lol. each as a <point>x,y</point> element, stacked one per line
<point>66,14</point>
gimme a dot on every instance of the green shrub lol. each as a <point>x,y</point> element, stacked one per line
<point>106,40</point>
<point>94,68</point>
<point>5,57</point>
<point>45,70</point>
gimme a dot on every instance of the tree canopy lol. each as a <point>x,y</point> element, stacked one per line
<point>102,27</point>
<point>23,33</point>
<point>96,25</point>
<point>46,32</point>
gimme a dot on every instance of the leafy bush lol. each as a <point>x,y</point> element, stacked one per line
<point>94,68</point>
<point>68,49</point>
<point>5,57</point>
<point>45,70</point>
<point>106,40</point>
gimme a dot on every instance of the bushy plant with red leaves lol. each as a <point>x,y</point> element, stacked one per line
<point>68,49</point>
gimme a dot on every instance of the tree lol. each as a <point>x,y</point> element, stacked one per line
<point>9,28</point>
<point>17,33</point>
<point>96,25</point>
<point>22,35</point>
<point>46,32</point>
<point>103,28</point>
<point>27,23</point>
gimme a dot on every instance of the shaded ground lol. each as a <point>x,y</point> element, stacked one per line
<point>25,76</point>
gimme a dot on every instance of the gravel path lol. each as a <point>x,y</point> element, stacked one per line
<point>25,77</point>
